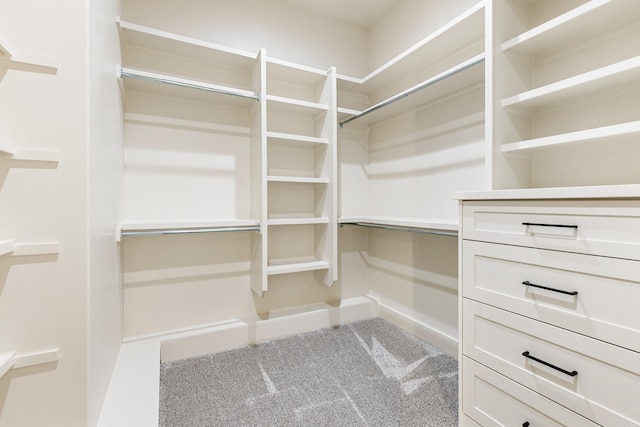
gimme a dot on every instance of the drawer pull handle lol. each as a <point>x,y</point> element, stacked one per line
<point>564,371</point>
<point>528,283</point>
<point>539,224</point>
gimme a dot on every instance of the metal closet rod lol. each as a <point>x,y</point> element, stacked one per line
<point>404,228</point>
<point>438,78</point>
<point>125,72</point>
<point>190,230</point>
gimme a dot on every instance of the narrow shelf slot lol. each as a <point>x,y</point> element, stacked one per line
<point>295,265</point>
<point>186,83</point>
<point>609,76</point>
<point>582,21</point>
<point>587,135</point>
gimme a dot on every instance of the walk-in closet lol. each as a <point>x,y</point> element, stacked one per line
<point>180,179</point>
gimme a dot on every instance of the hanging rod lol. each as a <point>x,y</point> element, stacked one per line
<point>190,230</point>
<point>143,75</point>
<point>429,82</point>
<point>404,228</point>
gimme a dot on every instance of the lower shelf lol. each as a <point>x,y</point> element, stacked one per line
<point>296,265</point>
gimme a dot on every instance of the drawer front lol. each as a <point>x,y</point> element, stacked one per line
<point>588,227</point>
<point>606,385</point>
<point>492,399</point>
<point>607,290</point>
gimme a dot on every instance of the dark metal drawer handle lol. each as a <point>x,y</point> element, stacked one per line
<point>571,374</point>
<point>538,224</point>
<point>528,283</point>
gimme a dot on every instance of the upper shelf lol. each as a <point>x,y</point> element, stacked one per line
<point>463,30</point>
<point>582,21</point>
<point>612,75</point>
<point>26,61</point>
<point>133,36</point>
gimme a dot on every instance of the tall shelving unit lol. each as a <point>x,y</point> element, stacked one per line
<point>284,113</point>
<point>554,104</point>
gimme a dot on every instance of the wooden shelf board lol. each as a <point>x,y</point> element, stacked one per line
<point>296,104</point>
<point>298,179</point>
<point>587,135</point>
<point>295,265</point>
<point>134,225</point>
<point>153,39</point>
<point>590,82</point>
<point>582,21</point>
<point>291,138</point>
<point>297,221</point>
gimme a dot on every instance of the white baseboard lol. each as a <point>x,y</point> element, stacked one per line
<point>426,333</point>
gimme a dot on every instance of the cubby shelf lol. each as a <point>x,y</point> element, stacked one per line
<point>8,149</point>
<point>296,265</point>
<point>298,179</point>
<point>612,75</point>
<point>603,133</point>
<point>582,21</point>
<point>281,137</point>
<point>297,221</point>
<point>26,61</point>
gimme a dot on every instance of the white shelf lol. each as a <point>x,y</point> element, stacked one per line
<point>297,221</point>
<point>291,138</point>
<point>170,85</point>
<point>573,138</point>
<point>584,192</point>
<point>291,104</point>
<point>460,31</point>
<point>298,180</point>
<point>445,227</point>
<point>25,249</point>
<point>602,78</point>
<point>295,265</point>
<point>582,21</point>
<point>294,73</point>
<point>13,360</point>
<point>183,226</point>
<point>26,61</point>
<point>9,149</point>
<point>133,36</point>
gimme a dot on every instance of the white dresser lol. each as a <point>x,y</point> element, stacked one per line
<point>550,307</point>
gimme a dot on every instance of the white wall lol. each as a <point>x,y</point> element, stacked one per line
<point>43,299</point>
<point>284,31</point>
<point>104,193</point>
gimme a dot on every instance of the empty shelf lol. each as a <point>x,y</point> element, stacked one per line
<point>298,179</point>
<point>26,61</point>
<point>290,104</point>
<point>297,221</point>
<point>25,249</point>
<point>9,149</point>
<point>291,138</point>
<point>149,228</point>
<point>12,360</point>
<point>296,266</point>
<point>440,227</point>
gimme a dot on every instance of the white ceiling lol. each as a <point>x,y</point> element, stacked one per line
<point>362,13</point>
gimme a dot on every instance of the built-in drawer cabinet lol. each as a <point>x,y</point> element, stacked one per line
<point>494,400</point>
<point>595,296</point>
<point>587,227</point>
<point>550,331</point>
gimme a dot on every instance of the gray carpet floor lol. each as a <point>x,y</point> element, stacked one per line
<point>368,373</point>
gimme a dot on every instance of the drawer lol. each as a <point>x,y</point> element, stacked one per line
<point>608,289</point>
<point>606,385</point>
<point>492,399</point>
<point>610,228</point>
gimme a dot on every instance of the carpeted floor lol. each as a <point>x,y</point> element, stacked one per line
<point>368,373</point>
